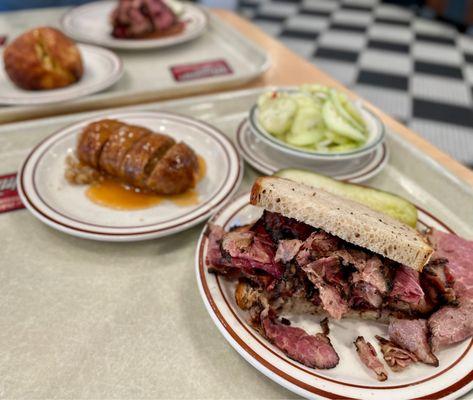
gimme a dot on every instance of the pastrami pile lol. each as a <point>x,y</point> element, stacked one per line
<point>285,266</point>
<point>138,18</point>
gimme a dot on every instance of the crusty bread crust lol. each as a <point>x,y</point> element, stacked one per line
<point>346,219</point>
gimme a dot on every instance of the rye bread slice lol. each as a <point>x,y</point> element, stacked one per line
<point>346,219</point>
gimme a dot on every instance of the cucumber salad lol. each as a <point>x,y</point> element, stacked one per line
<point>313,118</point>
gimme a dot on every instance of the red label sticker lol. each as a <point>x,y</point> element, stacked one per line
<point>9,199</point>
<point>206,69</point>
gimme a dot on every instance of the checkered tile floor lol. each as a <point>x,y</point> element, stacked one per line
<point>419,71</point>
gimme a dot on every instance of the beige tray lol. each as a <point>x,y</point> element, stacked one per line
<point>85,319</point>
<point>147,74</point>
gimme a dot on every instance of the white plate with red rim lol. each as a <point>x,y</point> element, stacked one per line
<point>268,160</point>
<point>65,207</point>
<point>349,379</point>
<point>91,23</point>
<point>102,69</point>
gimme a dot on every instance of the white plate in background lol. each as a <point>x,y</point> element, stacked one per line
<point>91,23</point>
<point>102,68</point>
<point>268,160</point>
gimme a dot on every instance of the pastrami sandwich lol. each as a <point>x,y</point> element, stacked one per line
<point>317,253</point>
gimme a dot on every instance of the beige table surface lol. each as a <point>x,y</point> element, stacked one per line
<point>101,320</point>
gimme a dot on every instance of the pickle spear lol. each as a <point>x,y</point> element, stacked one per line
<point>378,200</point>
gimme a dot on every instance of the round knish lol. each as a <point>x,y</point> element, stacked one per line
<point>43,58</point>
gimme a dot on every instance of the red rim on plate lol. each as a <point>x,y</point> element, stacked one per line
<point>374,163</point>
<point>274,371</point>
<point>31,196</point>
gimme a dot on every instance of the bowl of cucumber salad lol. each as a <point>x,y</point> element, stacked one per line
<point>315,122</point>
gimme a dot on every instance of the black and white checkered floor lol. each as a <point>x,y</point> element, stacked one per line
<point>418,70</point>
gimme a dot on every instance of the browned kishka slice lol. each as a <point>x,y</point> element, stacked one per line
<point>117,146</point>
<point>143,157</point>
<point>175,172</point>
<point>93,138</point>
<point>137,156</point>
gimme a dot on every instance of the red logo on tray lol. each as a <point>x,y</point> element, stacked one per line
<point>206,69</point>
<point>9,199</point>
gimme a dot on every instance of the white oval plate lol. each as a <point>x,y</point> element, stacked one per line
<point>350,379</point>
<point>91,23</point>
<point>46,193</point>
<point>102,68</point>
<point>267,160</point>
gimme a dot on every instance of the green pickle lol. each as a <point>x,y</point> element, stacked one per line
<point>378,200</point>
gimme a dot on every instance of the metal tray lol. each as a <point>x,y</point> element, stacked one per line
<point>90,319</point>
<point>147,74</point>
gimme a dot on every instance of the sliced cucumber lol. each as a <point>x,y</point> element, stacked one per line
<point>276,115</point>
<point>311,147</point>
<point>304,100</point>
<point>335,138</point>
<point>316,117</point>
<point>323,145</point>
<point>305,127</point>
<point>378,200</point>
<point>307,138</point>
<point>336,101</point>
<point>336,123</point>
<point>352,109</point>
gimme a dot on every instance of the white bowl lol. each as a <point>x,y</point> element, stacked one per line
<point>376,134</point>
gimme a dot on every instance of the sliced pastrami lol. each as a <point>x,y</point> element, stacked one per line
<point>406,286</point>
<point>437,282</point>
<point>319,273</point>
<point>365,295</point>
<point>281,227</point>
<point>287,250</point>
<point>371,272</point>
<point>412,335</point>
<point>314,351</point>
<point>459,253</point>
<point>369,358</point>
<point>250,252</point>
<point>215,260</point>
<point>396,357</point>
<point>451,325</point>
